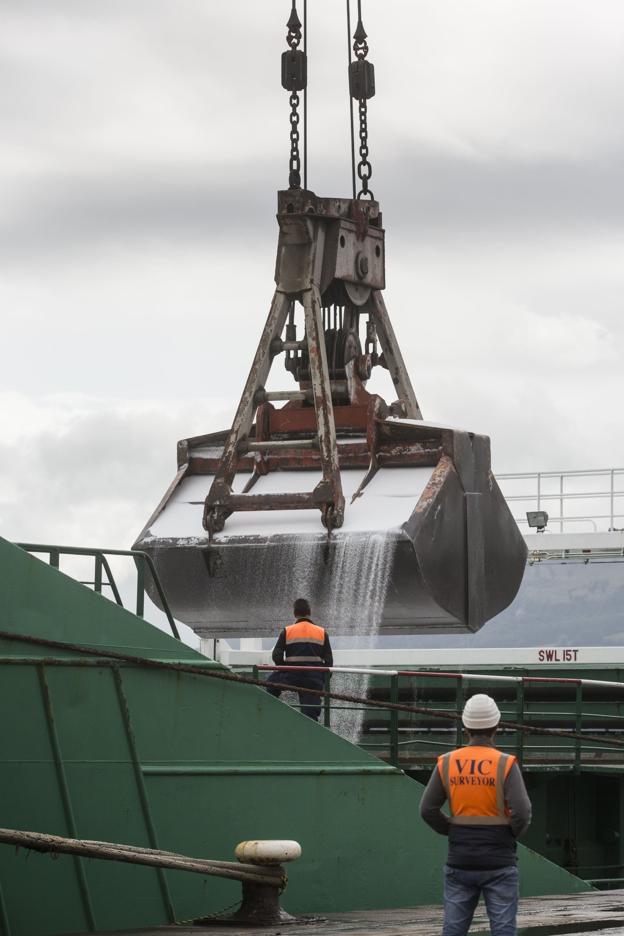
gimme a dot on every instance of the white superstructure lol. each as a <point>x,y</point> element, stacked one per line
<point>585,533</point>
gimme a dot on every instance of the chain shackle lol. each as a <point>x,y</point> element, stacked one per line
<point>294,79</point>
<point>362,88</point>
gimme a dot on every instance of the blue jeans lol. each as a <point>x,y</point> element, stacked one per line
<point>310,704</point>
<point>462,889</point>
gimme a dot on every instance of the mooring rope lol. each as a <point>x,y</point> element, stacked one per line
<point>113,656</point>
<point>131,854</point>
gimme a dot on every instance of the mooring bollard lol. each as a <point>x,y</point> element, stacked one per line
<point>261,902</point>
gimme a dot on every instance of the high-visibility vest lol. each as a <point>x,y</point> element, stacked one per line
<point>474,780</point>
<point>304,643</point>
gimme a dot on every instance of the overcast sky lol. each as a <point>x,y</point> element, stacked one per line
<point>142,144</point>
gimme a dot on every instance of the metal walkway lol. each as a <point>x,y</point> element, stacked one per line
<point>601,913</point>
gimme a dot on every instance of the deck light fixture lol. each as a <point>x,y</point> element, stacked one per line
<point>537,518</point>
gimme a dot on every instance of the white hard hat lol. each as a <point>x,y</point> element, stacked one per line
<point>481,711</point>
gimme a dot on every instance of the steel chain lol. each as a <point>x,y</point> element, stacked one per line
<point>364,168</point>
<point>218,915</point>
<point>293,38</point>
<point>294,163</point>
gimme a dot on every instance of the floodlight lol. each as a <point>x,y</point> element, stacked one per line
<point>537,518</point>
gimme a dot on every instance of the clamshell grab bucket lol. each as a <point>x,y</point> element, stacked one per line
<point>431,517</point>
<point>334,495</point>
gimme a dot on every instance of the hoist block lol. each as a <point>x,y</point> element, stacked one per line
<point>362,79</point>
<point>294,70</point>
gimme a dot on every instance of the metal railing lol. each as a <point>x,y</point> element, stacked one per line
<point>101,568</point>
<point>549,490</point>
<point>414,741</point>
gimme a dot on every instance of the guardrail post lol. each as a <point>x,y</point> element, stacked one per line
<point>140,593</point>
<point>578,725</point>
<point>97,577</point>
<point>612,500</point>
<point>459,704</point>
<point>520,722</point>
<point>394,721</point>
<point>54,558</point>
<point>326,699</point>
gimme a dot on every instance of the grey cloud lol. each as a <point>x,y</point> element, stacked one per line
<point>423,196</point>
<point>102,475</point>
<point>84,210</point>
<point>435,192</point>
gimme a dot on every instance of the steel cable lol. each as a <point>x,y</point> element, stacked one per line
<point>112,656</point>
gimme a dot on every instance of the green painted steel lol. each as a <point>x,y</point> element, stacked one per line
<point>141,560</point>
<point>123,753</point>
<point>37,599</point>
<point>413,740</point>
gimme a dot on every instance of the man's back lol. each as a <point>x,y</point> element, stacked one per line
<point>303,643</point>
<point>488,809</point>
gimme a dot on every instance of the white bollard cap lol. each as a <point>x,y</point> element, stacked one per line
<point>268,851</point>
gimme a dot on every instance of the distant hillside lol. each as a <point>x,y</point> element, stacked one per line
<point>557,605</point>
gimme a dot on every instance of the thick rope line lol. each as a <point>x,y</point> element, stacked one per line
<point>110,851</point>
<point>226,676</point>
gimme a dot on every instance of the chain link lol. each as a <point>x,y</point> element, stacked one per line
<point>210,917</point>
<point>364,168</point>
<point>293,39</point>
<point>294,163</point>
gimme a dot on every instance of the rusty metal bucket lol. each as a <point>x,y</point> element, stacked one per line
<point>430,523</point>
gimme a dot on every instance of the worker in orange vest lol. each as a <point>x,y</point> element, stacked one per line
<point>302,644</point>
<point>489,809</point>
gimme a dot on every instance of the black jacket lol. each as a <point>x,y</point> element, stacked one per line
<point>320,655</point>
<point>479,847</point>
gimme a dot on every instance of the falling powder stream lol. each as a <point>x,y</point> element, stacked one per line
<point>359,585</point>
<point>347,591</point>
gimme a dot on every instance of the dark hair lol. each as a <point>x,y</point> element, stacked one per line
<point>302,607</point>
<point>482,732</point>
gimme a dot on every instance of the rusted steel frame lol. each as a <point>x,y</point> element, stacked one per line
<point>302,202</point>
<point>270,396</point>
<point>104,657</point>
<point>181,472</point>
<point>186,446</point>
<point>377,410</point>
<point>414,433</point>
<point>393,357</point>
<point>354,455</point>
<point>319,373</point>
<point>243,502</point>
<point>241,426</point>
<point>291,419</point>
<point>275,445</point>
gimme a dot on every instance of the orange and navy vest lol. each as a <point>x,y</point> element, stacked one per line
<point>474,780</point>
<point>304,644</point>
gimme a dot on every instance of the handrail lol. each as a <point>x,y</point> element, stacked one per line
<point>525,713</point>
<point>490,677</point>
<point>141,559</point>
<point>538,496</point>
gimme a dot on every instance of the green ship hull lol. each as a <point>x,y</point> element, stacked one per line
<point>97,748</point>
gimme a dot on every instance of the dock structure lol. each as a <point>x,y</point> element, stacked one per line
<point>598,912</point>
